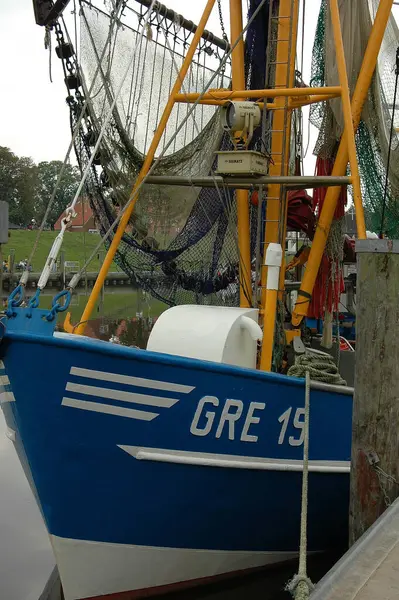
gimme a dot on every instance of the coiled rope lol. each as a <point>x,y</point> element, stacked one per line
<point>319,365</point>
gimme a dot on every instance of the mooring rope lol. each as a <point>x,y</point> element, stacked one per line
<point>319,365</point>
<point>300,585</point>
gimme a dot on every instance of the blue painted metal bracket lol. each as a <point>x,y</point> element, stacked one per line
<point>28,321</point>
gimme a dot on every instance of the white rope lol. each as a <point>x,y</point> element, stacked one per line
<point>52,257</point>
<point>75,279</point>
<point>301,586</point>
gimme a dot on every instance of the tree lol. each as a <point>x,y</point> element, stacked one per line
<point>47,175</point>
<point>17,185</point>
<point>28,187</point>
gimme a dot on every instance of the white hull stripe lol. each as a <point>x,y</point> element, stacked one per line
<point>205,459</point>
<point>90,390</point>
<point>128,380</point>
<point>6,394</point>
<point>112,568</point>
<point>119,411</point>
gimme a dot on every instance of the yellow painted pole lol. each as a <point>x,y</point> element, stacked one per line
<point>270,105</point>
<point>278,167</point>
<point>277,146</point>
<point>238,83</point>
<point>299,103</point>
<point>269,93</point>
<point>292,57</point>
<point>144,170</point>
<point>349,131</point>
<point>341,161</point>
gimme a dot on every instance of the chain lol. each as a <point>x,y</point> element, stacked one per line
<point>226,39</point>
<point>382,477</point>
<point>224,35</point>
<point>61,40</point>
<point>75,99</point>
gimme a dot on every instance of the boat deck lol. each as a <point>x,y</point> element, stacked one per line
<point>370,569</point>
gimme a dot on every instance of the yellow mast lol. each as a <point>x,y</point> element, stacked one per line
<point>238,83</point>
<point>281,133</point>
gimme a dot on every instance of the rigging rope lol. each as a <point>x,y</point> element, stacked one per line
<point>183,261</point>
<point>70,211</point>
<point>75,279</point>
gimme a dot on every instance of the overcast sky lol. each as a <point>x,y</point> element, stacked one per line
<point>33,114</point>
<point>34,117</point>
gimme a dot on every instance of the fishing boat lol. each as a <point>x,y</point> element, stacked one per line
<point>183,462</point>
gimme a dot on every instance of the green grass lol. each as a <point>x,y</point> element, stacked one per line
<point>76,246</point>
<point>116,306</point>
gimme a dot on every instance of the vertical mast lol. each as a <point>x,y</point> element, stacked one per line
<point>275,225</point>
<point>238,83</point>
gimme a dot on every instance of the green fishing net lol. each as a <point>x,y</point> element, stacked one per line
<point>372,138</point>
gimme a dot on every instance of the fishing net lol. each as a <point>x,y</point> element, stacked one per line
<point>181,243</point>
<point>372,138</point>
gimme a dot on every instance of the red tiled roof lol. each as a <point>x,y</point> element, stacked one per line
<point>84,214</point>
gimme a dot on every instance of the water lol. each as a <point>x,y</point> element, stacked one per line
<point>26,559</point>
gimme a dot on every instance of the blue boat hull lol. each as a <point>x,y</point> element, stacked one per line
<point>189,465</point>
